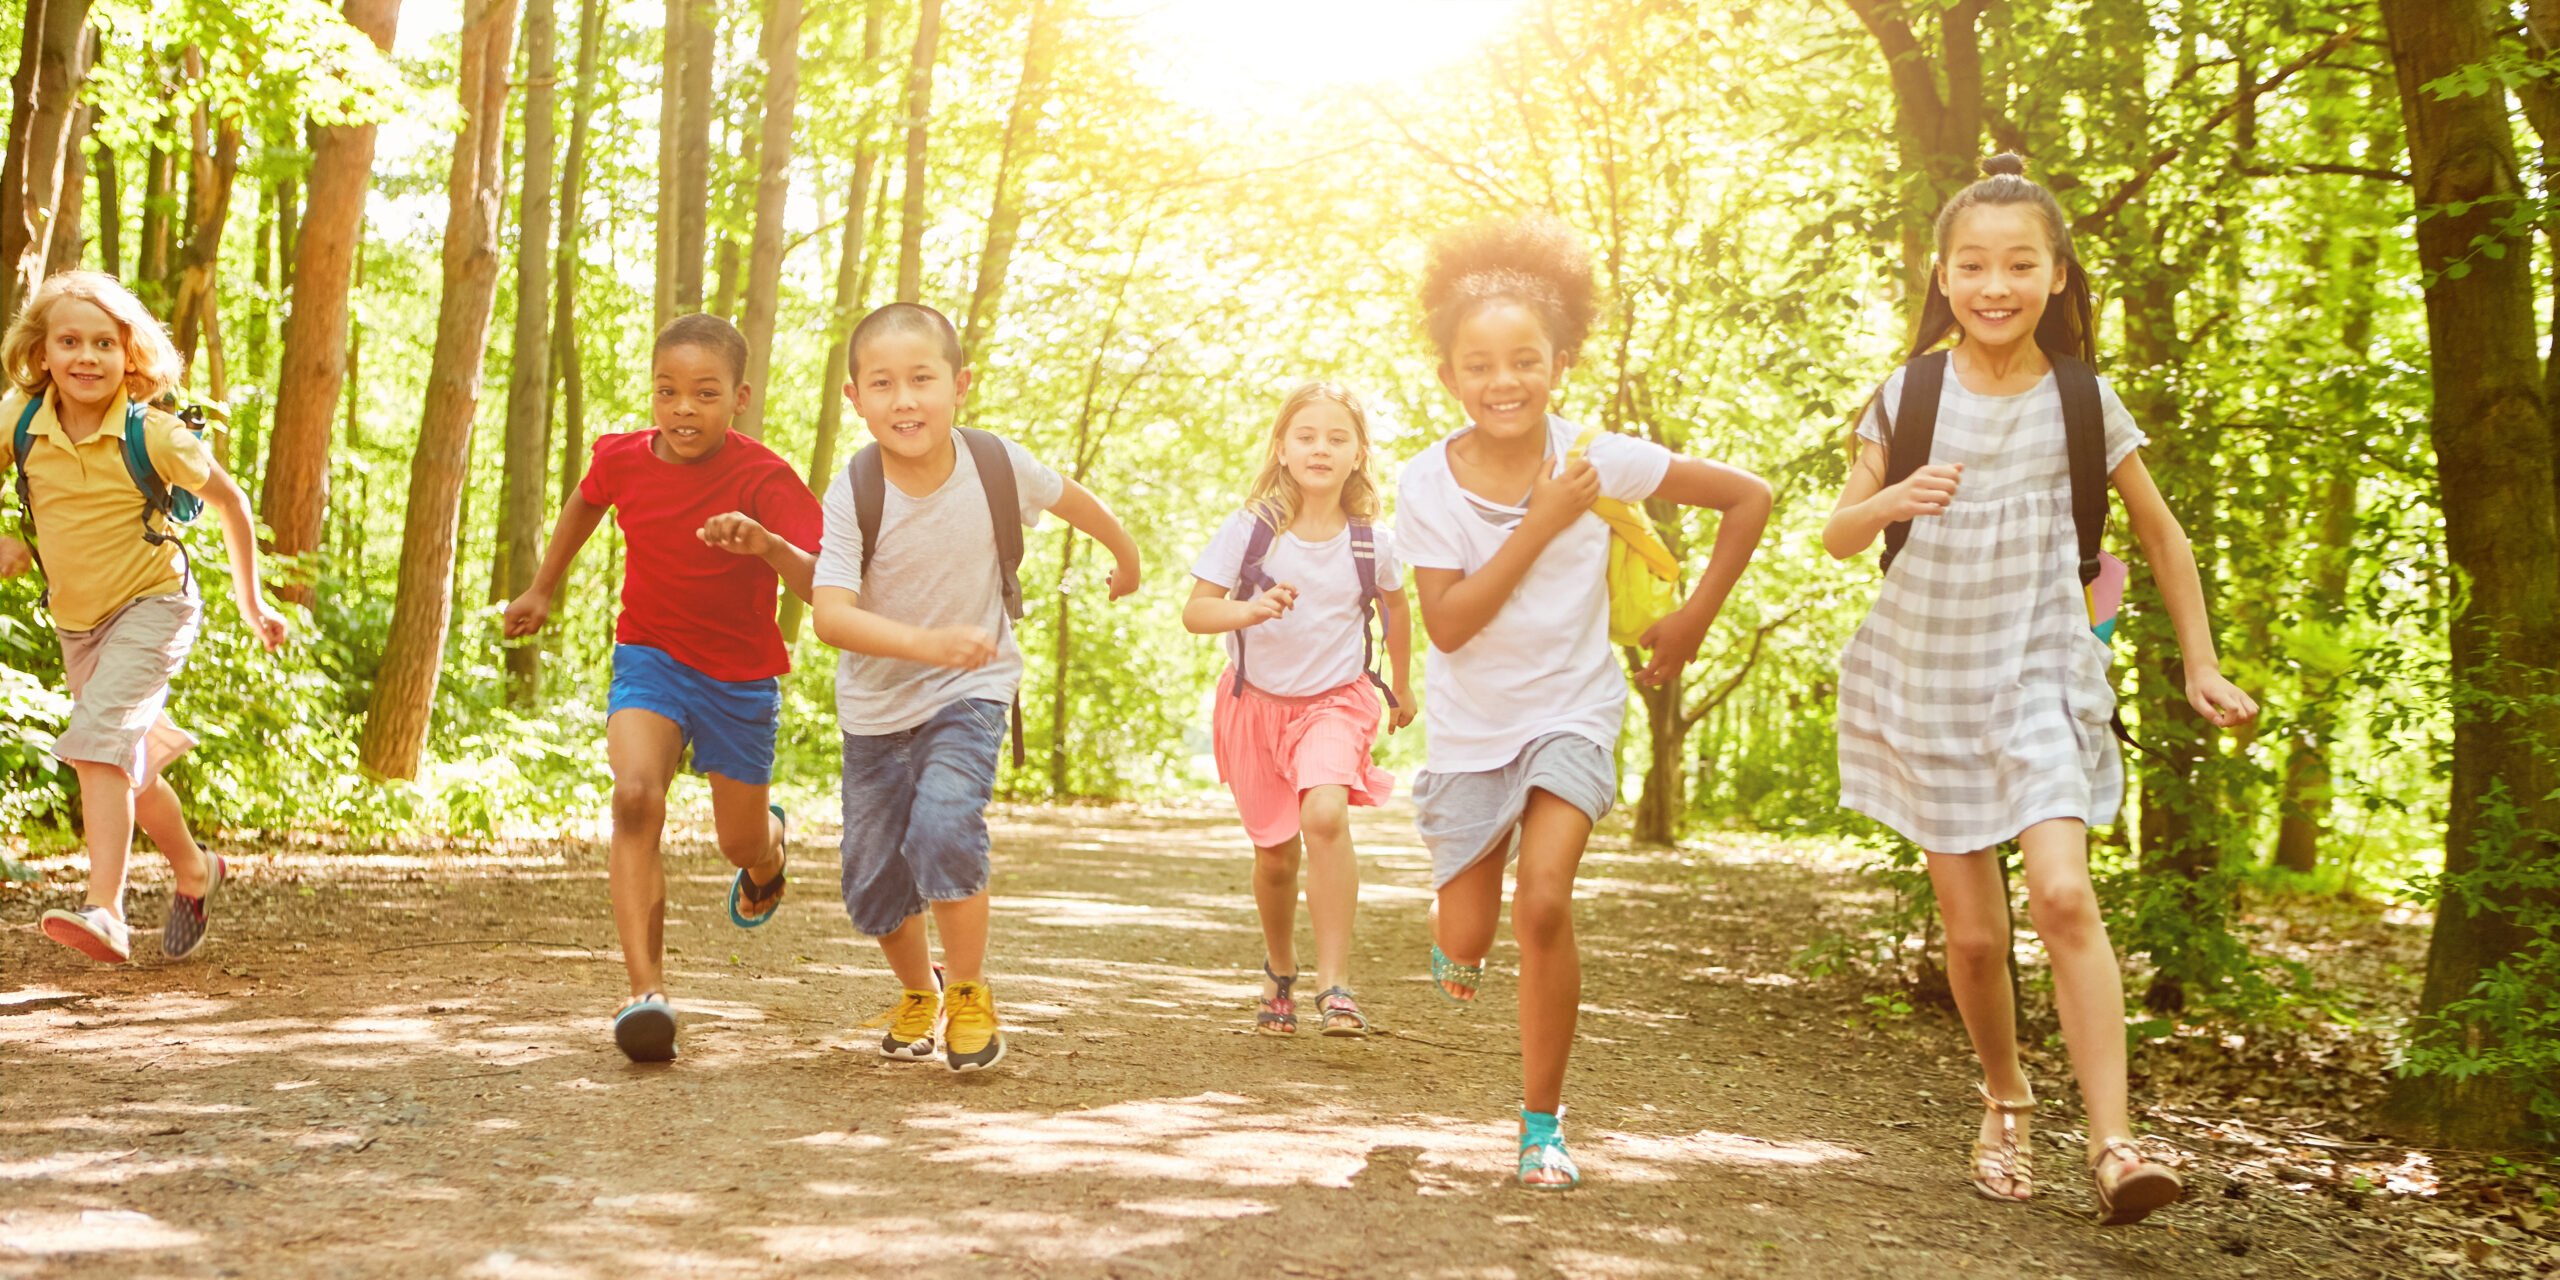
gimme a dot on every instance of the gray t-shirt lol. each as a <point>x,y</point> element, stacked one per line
<point>936,567</point>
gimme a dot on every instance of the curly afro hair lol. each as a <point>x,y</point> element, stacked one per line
<point>1534,259</point>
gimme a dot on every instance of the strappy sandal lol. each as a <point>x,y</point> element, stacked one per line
<point>1544,1163</point>
<point>750,903</point>
<point>1278,1015</point>
<point>2007,1161</point>
<point>1336,1002</point>
<point>2142,1188</point>
<point>1457,982</point>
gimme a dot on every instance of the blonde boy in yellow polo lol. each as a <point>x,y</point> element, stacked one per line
<point>78,359</point>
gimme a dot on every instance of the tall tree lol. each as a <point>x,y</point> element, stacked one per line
<point>693,153</point>
<point>1937,108</point>
<point>318,347</point>
<point>780,45</point>
<point>919,132</point>
<point>53,50</point>
<point>566,366</point>
<point>110,211</point>
<point>670,128</point>
<point>395,730</point>
<point>70,213</point>
<point>519,547</point>
<point>1021,126</point>
<point>214,164</point>
<point>2492,433</point>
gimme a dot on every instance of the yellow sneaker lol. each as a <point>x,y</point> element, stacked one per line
<point>971,1040</point>
<point>910,1023</point>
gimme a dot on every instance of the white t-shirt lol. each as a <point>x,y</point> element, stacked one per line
<point>1543,664</point>
<point>1316,646</point>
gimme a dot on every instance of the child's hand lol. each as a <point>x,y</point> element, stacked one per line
<point>1926,492</point>
<point>1558,500</point>
<point>2220,701</point>
<point>1124,578</point>
<point>1673,642</point>
<point>525,615</point>
<point>1402,713</point>
<point>15,559</point>
<point>961,648</point>
<point>265,623</point>
<point>736,533</point>
<point>1270,605</point>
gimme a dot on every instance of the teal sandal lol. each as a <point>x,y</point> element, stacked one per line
<point>745,892</point>
<point>1457,982</point>
<point>1544,1163</point>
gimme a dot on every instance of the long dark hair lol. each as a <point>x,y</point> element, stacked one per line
<point>2068,326</point>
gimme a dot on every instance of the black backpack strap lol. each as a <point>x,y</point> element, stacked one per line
<point>20,442</point>
<point>2084,431</point>
<point>870,491</point>
<point>1004,507</point>
<point>1251,581</point>
<point>1364,562</point>
<point>1909,434</point>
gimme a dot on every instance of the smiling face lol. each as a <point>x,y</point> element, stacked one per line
<point>1320,447</point>
<point>698,394</point>
<point>907,392</point>
<point>1998,271</point>
<point>84,354</point>
<point>1503,369</point>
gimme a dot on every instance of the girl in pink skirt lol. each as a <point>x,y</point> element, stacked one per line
<point>1293,581</point>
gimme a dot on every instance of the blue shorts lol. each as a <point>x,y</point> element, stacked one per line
<point>915,814</point>
<point>729,724</point>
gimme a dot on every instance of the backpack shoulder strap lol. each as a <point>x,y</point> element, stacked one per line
<point>1910,432</point>
<point>1004,507</point>
<point>137,456</point>
<point>870,486</point>
<point>1251,581</point>
<point>24,438</point>
<point>2084,431</point>
<point>1364,555</point>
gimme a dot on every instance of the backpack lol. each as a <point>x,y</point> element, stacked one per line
<point>173,504</point>
<point>1251,581</point>
<point>1644,577</point>
<point>1004,507</point>
<point>2084,433</point>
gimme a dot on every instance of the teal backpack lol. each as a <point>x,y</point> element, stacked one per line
<point>173,504</point>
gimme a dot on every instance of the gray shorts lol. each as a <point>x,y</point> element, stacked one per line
<point>119,673</point>
<point>1461,817</point>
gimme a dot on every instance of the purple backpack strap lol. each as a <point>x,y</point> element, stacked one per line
<point>1364,560</point>
<point>1251,581</point>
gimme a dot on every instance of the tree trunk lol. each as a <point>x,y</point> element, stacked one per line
<point>693,154</point>
<point>159,212</point>
<point>919,117</point>
<point>319,348</point>
<point>1004,218</point>
<point>780,46</point>
<point>519,549</point>
<point>70,216</point>
<point>564,319</point>
<point>395,731</point>
<point>1937,111</point>
<point>2493,439</point>
<point>670,125</point>
<point>208,211</point>
<point>110,211</point>
<point>53,54</point>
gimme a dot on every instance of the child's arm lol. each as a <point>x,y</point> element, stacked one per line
<point>739,534</point>
<point>2173,566</point>
<point>240,539</point>
<point>1745,500</point>
<point>1079,508</point>
<point>1867,504</point>
<point>578,520</point>
<point>1457,605</point>
<point>1209,612</point>
<point>1399,620</point>
<point>840,620</point>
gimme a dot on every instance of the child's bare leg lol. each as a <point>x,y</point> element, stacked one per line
<point>106,819</point>
<point>963,926</point>
<point>1552,835</point>
<point>2088,987</point>
<point>156,811</point>
<point>1275,901</point>
<point>1467,910</point>
<point>909,951</point>
<point>642,748</point>
<point>1333,881</point>
<point>750,836</point>
<point>1974,904</point>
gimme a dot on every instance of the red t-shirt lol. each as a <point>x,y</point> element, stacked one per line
<point>710,609</point>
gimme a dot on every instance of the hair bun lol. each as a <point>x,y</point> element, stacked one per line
<point>2007,164</point>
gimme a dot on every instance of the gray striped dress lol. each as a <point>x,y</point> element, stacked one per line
<point>1974,702</point>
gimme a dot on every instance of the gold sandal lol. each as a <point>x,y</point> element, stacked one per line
<point>2142,1188</point>
<point>2007,1160</point>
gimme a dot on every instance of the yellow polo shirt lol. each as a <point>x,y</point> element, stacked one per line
<point>89,512</point>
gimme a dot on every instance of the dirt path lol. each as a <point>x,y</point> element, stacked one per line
<point>348,1083</point>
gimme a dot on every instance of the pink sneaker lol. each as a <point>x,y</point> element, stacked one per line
<point>92,931</point>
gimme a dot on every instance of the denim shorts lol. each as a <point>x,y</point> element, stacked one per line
<point>915,813</point>
<point>729,724</point>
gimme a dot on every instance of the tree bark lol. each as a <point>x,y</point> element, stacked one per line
<point>395,731</point>
<point>70,216</point>
<point>1937,130</point>
<point>53,54</point>
<point>110,211</point>
<point>573,187</point>
<point>1004,218</point>
<point>2493,439</point>
<point>693,154</point>
<point>159,213</point>
<point>919,125</point>
<point>318,359</point>
<point>216,164</point>
<point>780,46</point>
<point>670,127</point>
<point>528,451</point>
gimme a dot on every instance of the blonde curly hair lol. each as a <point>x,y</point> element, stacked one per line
<point>151,364</point>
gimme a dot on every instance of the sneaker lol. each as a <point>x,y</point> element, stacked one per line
<point>645,1030</point>
<point>971,1040</point>
<point>92,931</point>
<point>185,929</point>
<point>911,1022</point>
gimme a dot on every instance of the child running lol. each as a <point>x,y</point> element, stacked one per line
<point>1523,697</point>
<point>99,475</point>
<point>1295,578</point>
<point>1975,701</point>
<point>917,584</point>
<point>712,522</point>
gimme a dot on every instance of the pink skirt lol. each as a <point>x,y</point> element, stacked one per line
<point>1271,750</point>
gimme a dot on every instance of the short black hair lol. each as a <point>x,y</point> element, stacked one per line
<point>907,317</point>
<point>709,332</point>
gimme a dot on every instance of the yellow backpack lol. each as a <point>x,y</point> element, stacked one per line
<point>1644,577</point>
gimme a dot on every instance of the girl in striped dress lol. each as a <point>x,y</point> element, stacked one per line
<point>1974,701</point>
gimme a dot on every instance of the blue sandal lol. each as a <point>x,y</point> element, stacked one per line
<point>645,1030</point>
<point>1457,982</point>
<point>744,890</point>
<point>1544,1164</point>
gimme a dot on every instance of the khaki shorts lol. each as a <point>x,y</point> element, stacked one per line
<point>119,674</point>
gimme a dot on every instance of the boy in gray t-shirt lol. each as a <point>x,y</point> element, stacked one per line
<point>930,669</point>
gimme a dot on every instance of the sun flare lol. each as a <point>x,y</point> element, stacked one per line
<point>1254,58</point>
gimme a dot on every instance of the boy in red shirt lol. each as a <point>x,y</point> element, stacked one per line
<point>711,521</point>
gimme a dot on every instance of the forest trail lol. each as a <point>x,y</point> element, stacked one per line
<point>346,1083</point>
